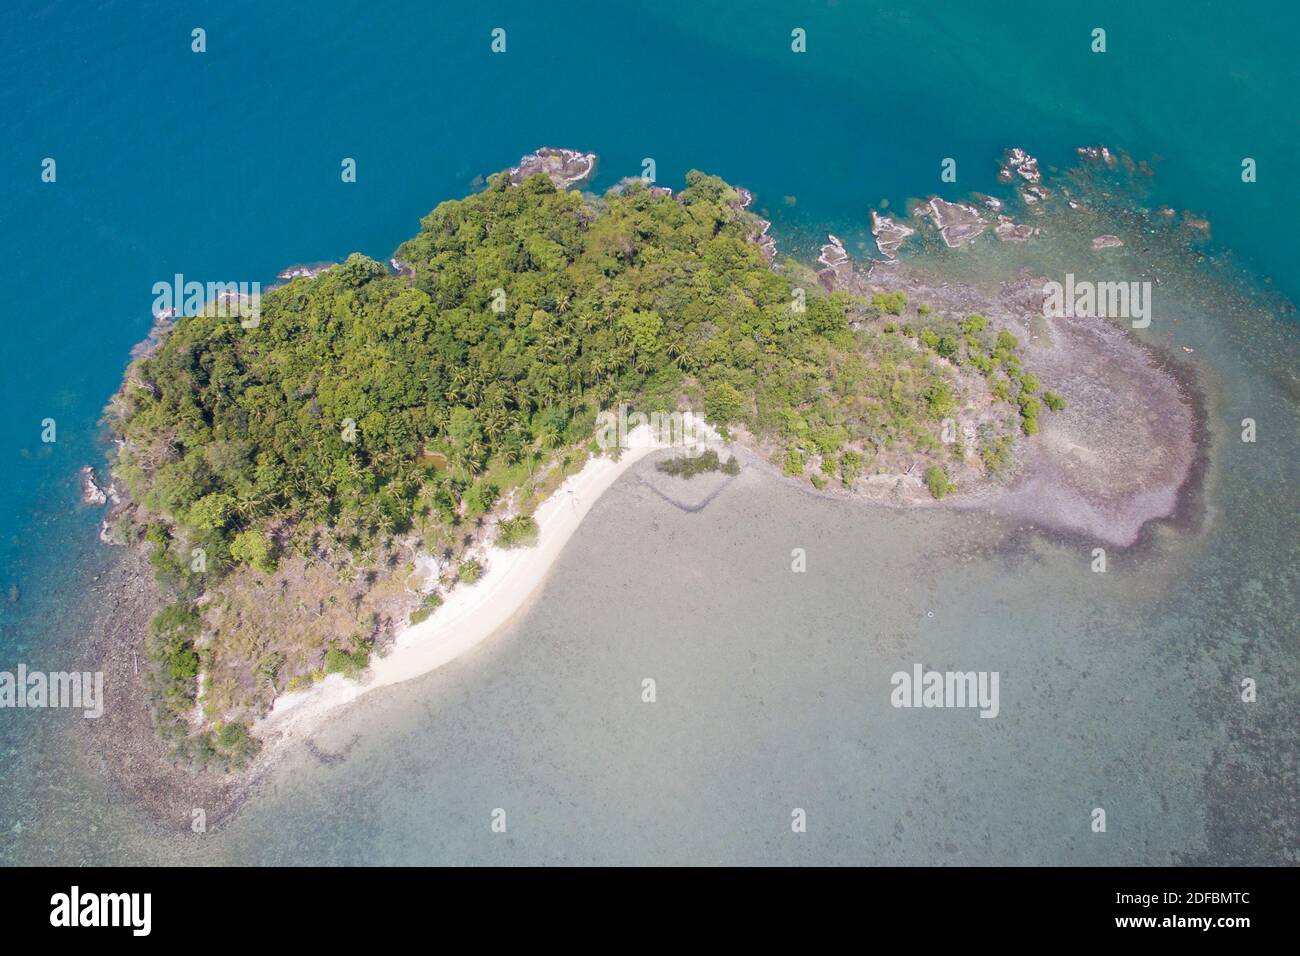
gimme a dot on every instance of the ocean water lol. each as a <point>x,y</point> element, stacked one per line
<point>225,166</point>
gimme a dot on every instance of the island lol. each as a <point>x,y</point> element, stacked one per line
<point>371,478</point>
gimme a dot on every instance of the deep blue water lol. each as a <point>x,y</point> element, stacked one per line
<point>225,165</point>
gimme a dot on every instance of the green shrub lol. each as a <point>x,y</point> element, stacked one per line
<point>253,547</point>
<point>518,532</point>
<point>228,747</point>
<point>723,404</point>
<point>480,498</point>
<point>182,662</point>
<point>940,399</point>
<point>688,466</point>
<point>349,664</point>
<point>850,466</point>
<point>891,302</point>
<point>937,480</point>
<point>1053,401</point>
<point>169,647</point>
<point>430,604</point>
<point>996,454</point>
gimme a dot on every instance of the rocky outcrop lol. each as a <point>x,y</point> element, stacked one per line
<point>624,184</point>
<point>889,234</point>
<point>1017,164</point>
<point>766,244</point>
<point>304,270</point>
<point>762,236</point>
<point>91,493</point>
<point>1009,231</point>
<point>565,167</point>
<point>958,223</point>
<point>839,268</point>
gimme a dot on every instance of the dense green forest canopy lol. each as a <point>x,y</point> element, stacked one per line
<point>522,312</point>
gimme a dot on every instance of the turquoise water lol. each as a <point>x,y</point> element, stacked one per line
<point>225,166</point>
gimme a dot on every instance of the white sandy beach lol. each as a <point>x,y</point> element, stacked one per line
<point>472,613</point>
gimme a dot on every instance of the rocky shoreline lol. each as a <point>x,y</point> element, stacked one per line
<point>124,743</point>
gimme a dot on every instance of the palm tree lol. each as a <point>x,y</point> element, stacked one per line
<point>459,382</point>
<point>474,455</point>
<point>534,458</point>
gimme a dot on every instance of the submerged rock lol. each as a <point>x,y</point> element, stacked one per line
<point>1098,154</point>
<point>1107,242</point>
